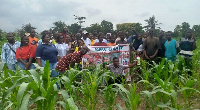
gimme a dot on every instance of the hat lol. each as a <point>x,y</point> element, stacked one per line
<point>27,34</point>
<point>84,32</point>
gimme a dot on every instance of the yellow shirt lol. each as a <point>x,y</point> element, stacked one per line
<point>92,42</point>
<point>53,41</point>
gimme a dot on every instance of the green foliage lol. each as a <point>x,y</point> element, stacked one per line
<point>93,27</point>
<point>25,29</point>
<point>59,26</point>
<point>74,28</point>
<point>152,23</point>
<point>104,26</point>
<point>126,27</point>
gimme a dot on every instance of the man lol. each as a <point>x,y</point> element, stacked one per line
<point>137,40</point>
<point>64,33</point>
<point>171,47</point>
<point>100,43</point>
<point>32,39</point>
<point>162,40</point>
<point>121,41</point>
<point>187,45</point>
<point>112,41</point>
<point>85,38</point>
<point>117,70</point>
<point>97,40</point>
<point>69,60</point>
<point>151,46</point>
<point>8,54</point>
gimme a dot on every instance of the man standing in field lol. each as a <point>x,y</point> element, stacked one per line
<point>187,45</point>
<point>171,47</point>
<point>8,54</point>
<point>151,46</point>
<point>32,39</point>
<point>162,40</point>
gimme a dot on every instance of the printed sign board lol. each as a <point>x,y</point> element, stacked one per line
<point>97,54</point>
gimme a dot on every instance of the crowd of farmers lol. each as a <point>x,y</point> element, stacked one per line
<point>63,49</point>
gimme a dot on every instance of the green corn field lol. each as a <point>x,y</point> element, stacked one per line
<point>165,86</point>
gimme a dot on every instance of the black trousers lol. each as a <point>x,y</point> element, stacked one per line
<point>117,80</point>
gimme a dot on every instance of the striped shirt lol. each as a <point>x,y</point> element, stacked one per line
<point>7,55</point>
<point>186,46</point>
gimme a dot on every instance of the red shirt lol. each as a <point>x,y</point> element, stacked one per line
<point>64,62</point>
<point>100,44</point>
<point>25,52</point>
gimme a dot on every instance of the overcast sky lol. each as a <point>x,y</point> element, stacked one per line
<point>42,13</point>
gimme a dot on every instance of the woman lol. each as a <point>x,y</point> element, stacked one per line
<point>80,45</point>
<point>62,47</point>
<point>47,51</point>
<point>25,54</point>
<point>68,42</point>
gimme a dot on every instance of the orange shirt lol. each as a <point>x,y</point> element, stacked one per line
<point>33,41</point>
<point>25,52</point>
<point>111,44</point>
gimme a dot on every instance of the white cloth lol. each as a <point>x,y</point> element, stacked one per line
<point>97,40</point>
<point>87,41</point>
<point>62,49</point>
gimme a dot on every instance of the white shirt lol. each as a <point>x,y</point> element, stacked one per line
<point>87,41</point>
<point>97,40</point>
<point>62,49</point>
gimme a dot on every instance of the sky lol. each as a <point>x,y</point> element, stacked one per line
<point>43,13</point>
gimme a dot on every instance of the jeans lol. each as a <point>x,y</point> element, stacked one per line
<point>11,66</point>
<point>22,66</point>
<point>52,67</point>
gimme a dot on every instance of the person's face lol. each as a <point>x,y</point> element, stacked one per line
<point>61,39</point>
<point>139,37</point>
<point>46,39</point>
<point>10,37</point>
<point>25,40</point>
<point>168,36</point>
<point>189,34</point>
<point>112,39</point>
<point>85,36</point>
<point>67,38</point>
<point>65,30</point>
<point>100,38</point>
<point>116,62</point>
<point>80,43</point>
<point>33,33</point>
<point>161,34</point>
<point>55,35</point>
<point>122,37</point>
<point>145,35</point>
<point>151,32</point>
<point>78,36</point>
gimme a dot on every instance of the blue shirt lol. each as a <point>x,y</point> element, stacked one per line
<point>7,55</point>
<point>47,52</point>
<point>170,50</point>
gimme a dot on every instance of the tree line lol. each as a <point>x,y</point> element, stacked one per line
<point>107,27</point>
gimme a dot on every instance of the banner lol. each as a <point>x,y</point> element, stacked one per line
<point>97,54</point>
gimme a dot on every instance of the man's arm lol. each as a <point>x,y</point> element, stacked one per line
<point>158,47</point>
<point>3,54</point>
<point>156,52</point>
<point>72,64</point>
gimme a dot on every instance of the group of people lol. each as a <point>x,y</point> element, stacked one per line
<point>63,50</point>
